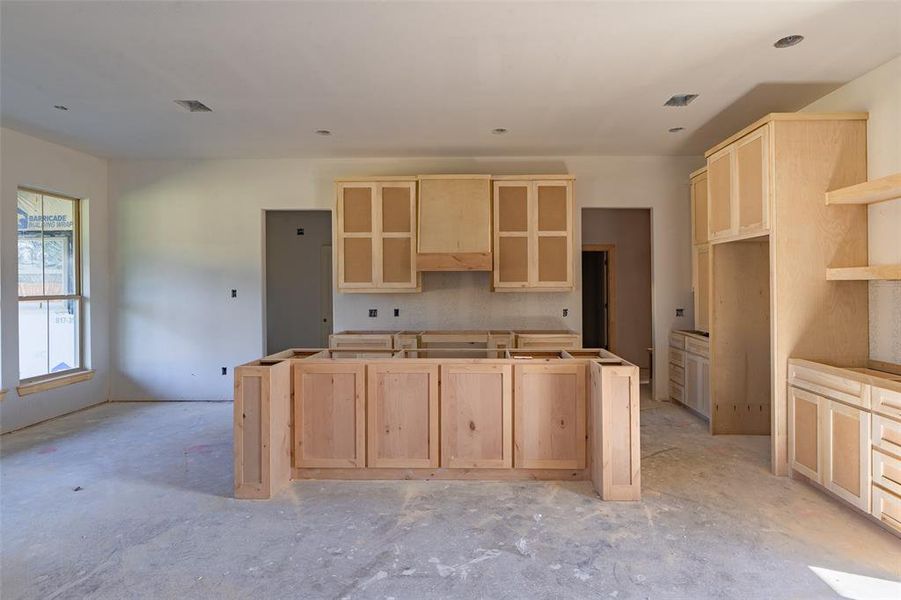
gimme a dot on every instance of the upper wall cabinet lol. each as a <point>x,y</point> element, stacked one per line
<point>376,237</point>
<point>454,223</point>
<point>533,234</point>
<point>699,207</point>
<point>738,188</point>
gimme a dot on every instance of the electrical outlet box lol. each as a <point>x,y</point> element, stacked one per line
<point>234,293</point>
<point>225,370</point>
<point>680,312</point>
<point>300,231</point>
<point>565,312</point>
<point>396,312</point>
<point>373,312</point>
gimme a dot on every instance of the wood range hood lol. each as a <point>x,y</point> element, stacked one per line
<point>454,223</point>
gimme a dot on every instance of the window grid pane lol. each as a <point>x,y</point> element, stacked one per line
<point>34,329</point>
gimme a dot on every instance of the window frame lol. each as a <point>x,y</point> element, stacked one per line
<point>78,296</point>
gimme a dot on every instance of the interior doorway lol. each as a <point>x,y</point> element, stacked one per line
<point>616,283</point>
<point>298,263</point>
<point>599,295</point>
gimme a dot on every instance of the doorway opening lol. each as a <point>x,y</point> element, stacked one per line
<point>599,296</point>
<point>616,284</point>
<point>298,279</point>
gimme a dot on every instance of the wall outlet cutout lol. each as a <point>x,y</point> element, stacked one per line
<point>373,312</point>
<point>396,312</point>
<point>565,312</point>
<point>680,312</point>
<point>300,231</point>
<point>225,370</point>
<point>234,293</point>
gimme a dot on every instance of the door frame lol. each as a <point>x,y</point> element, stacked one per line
<point>610,249</point>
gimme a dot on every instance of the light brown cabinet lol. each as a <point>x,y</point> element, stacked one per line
<point>329,415</point>
<point>375,237</point>
<point>549,416</point>
<point>806,445</point>
<point>701,271</point>
<point>476,416</point>
<point>738,188</point>
<point>454,225</point>
<point>533,235</point>
<point>402,415</point>
<point>699,231</point>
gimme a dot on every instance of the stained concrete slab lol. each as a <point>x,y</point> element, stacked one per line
<point>152,517</point>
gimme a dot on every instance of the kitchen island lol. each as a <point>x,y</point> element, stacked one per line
<point>437,413</point>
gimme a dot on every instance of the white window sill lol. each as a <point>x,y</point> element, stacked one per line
<point>49,383</point>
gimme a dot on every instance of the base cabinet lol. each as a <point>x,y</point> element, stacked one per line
<point>329,415</point>
<point>806,447</point>
<point>476,416</point>
<point>549,416</point>
<point>402,415</point>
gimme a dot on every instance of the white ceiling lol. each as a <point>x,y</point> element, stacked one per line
<point>421,79</point>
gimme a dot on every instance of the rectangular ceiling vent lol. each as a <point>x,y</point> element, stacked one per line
<point>194,106</point>
<point>680,100</point>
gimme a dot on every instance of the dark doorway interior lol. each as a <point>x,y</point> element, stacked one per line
<point>298,279</point>
<point>596,299</point>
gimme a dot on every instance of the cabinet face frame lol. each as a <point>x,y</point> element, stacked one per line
<point>762,226</point>
<point>702,270</point>
<point>830,457</point>
<point>358,427</point>
<point>377,238</point>
<point>797,396</point>
<point>533,235</point>
<point>449,403</point>
<point>374,372</point>
<point>520,438</point>
<point>699,216</point>
<point>714,201</point>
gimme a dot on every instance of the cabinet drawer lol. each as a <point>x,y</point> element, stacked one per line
<point>886,434</point>
<point>676,392</point>
<point>886,402</point>
<point>887,471</point>
<point>830,385</point>
<point>677,340</point>
<point>887,508</point>
<point>677,357</point>
<point>677,374</point>
<point>696,346</point>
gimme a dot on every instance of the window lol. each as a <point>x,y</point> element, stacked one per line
<point>49,278</point>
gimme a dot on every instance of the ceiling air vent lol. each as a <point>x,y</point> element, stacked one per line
<point>680,100</point>
<point>194,106</point>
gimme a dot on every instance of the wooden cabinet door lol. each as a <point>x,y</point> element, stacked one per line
<point>752,181</point>
<point>846,464</point>
<point>704,387</point>
<point>549,416</point>
<point>357,239</point>
<point>511,234</point>
<point>721,222</point>
<point>805,433</point>
<point>402,415</point>
<point>396,257</point>
<point>476,416</point>
<point>551,240</point>
<point>329,415</point>
<point>701,269</point>
<point>699,209</point>
<point>692,381</point>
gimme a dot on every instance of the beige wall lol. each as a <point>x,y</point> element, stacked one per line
<point>879,93</point>
<point>186,232</point>
<point>28,161</point>
<point>630,231</point>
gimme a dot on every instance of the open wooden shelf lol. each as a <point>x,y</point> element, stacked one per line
<point>868,192</point>
<point>866,273</point>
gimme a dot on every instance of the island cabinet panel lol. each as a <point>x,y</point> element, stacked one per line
<point>549,416</point>
<point>329,413</point>
<point>615,440</point>
<point>402,415</point>
<point>476,416</point>
<point>262,440</point>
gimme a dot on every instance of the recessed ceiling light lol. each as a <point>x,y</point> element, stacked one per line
<point>194,106</point>
<point>680,100</point>
<point>499,131</point>
<point>675,129</point>
<point>60,107</point>
<point>789,41</point>
<point>323,132</point>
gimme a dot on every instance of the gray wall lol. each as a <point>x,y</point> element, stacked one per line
<point>630,231</point>
<point>296,285</point>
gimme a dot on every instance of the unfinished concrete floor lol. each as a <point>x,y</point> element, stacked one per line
<point>153,517</point>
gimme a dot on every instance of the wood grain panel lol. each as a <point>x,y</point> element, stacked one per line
<point>750,160</point>
<point>397,266</point>
<point>358,260</point>
<point>552,213</point>
<point>329,413</point>
<point>357,213</point>
<point>719,194</point>
<point>513,259</point>
<point>396,209</point>
<point>699,208</point>
<point>552,259</point>
<point>513,208</point>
